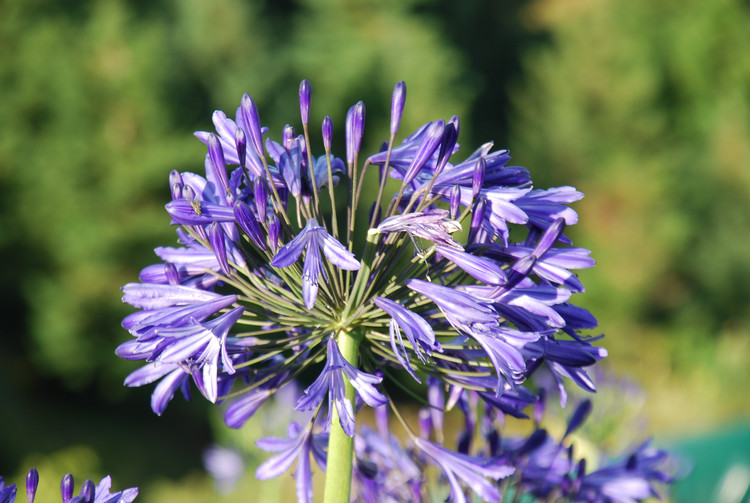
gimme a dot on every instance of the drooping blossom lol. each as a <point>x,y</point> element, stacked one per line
<point>331,382</point>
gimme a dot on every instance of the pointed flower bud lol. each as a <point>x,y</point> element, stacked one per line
<point>194,212</point>
<point>287,136</point>
<point>216,239</point>
<point>481,268</point>
<point>260,194</point>
<point>88,491</point>
<point>216,168</point>
<point>477,217</point>
<point>290,165</point>
<point>304,101</point>
<point>274,231</point>
<point>447,144</point>
<point>355,127</point>
<point>477,179</point>
<point>397,105</point>
<point>66,487</point>
<point>327,133</point>
<point>251,123</point>
<point>430,143</point>
<point>240,143</point>
<point>455,201</point>
<point>175,183</point>
<point>579,417</point>
<point>249,224</point>
<point>32,482</point>
<point>170,270</point>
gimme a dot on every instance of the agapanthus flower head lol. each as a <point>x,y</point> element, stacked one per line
<point>273,278</point>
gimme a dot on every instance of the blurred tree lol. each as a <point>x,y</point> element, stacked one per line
<point>99,99</point>
<point>645,106</point>
<point>100,102</point>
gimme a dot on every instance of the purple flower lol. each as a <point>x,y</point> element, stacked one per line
<point>481,268</point>
<point>242,409</point>
<point>173,377</point>
<point>314,239</point>
<point>225,466</point>
<point>397,106</point>
<point>304,101</point>
<point>151,296</point>
<point>384,470</point>
<point>481,322</point>
<point>331,381</point>
<point>180,341</point>
<point>200,345</point>
<point>90,493</point>
<point>321,171</point>
<point>196,212</point>
<point>298,446</point>
<point>628,480</point>
<point>429,144</point>
<point>472,471</point>
<point>417,330</point>
<point>355,126</point>
<point>434,225</point>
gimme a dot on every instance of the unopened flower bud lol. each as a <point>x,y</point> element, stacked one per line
<point>66,487</point>
<point>477,178</point>
<point>32,482</point>
<point>327,133</point>
<point>427,147</point>
<point>397,105</point>
<point>240,141</point>
<point>355,127</point>
<point>88,491</point>
<point>251,123</point>
<point>455,201</point>
<point>304,101</point>
<point>287,136</point>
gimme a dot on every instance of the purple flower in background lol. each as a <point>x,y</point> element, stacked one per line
<point>90,493</point>
<point>471,471</point>
<point>298,446</point>
<point>460,274</point>
<point>225,466</point>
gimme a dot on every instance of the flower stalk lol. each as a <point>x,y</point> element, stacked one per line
<point>340,445</point>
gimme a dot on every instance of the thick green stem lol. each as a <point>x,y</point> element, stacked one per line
<point>340,445</point>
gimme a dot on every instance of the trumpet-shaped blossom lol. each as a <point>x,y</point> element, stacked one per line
<point>331,382</point>
<point>314,239</point>
<point>417,330</point>
<point>470,470</point>
<point>298,446</point>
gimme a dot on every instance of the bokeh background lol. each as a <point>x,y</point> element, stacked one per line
<point>642,105</point>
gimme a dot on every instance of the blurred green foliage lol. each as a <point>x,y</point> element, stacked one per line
<point>645,106</point>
